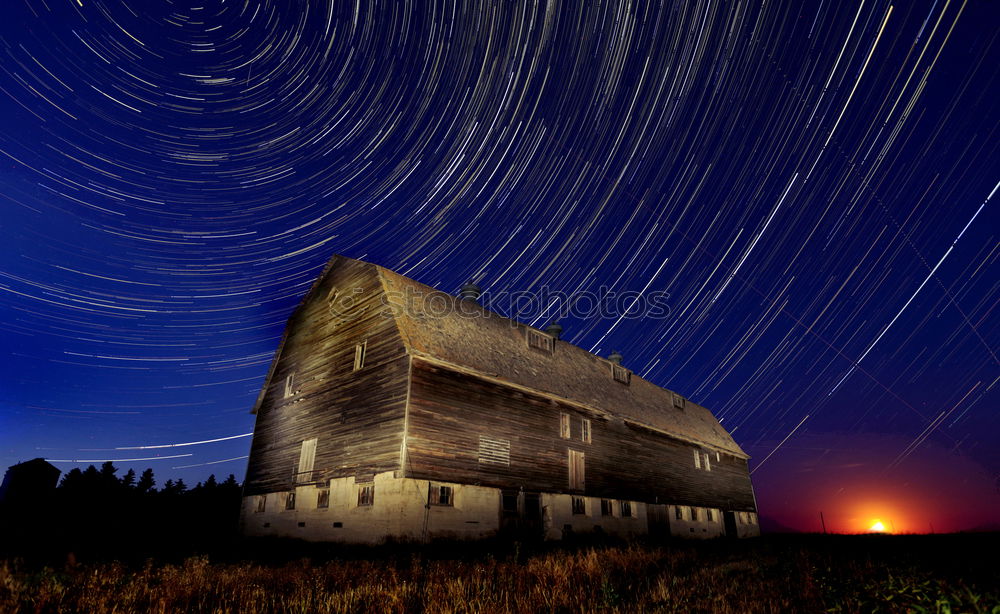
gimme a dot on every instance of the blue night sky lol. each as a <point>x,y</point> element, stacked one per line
<point>813,186</point>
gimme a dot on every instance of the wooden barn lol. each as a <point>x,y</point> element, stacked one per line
<point>393,410</point>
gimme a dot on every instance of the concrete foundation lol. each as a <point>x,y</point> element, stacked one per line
<point>408,509</point>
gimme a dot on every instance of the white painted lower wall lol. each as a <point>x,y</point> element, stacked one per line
<point>402,509</point>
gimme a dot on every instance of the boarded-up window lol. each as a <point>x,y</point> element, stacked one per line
<point>564,426</point>
<point>493,451</point>
<point>697,459</point>
<point>290,501</point>
<point>307,459</point>
<point>579,505</point>
<point>576,470</point>
<point>704,462</point>
<point>323,498</point>
<point>585,431</point>
<point>289,385</point>
<point>606,507</point>
<point>261,502</point>
<point>621,374</point>
<point>679,401</point>
<point>366,494</point>
<point>359,355</point>
<point>541,341</point>
<point>626,508</point>
<point>441,495</point>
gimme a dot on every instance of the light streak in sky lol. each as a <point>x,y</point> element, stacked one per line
<point>115,460</point>
<point>225,460</point>
<point>186,443</point>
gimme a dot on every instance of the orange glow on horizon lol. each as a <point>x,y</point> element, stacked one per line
<point>877,527</point>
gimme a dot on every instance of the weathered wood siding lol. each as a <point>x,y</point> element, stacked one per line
<point>357,416</point>
<point>449,411</point>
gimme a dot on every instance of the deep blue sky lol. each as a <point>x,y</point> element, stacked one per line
<point>811,184</point>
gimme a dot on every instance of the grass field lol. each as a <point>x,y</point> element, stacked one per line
<point>942,573</point>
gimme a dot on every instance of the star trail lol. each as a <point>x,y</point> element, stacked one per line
<point>813,185</point>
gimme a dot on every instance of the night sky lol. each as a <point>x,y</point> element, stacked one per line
<point>812,184</point>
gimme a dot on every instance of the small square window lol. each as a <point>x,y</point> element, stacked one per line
<point>679,401</point>
<point>323,498</point>
<point>359,355</point>
<point>290,501</point>
<point>678,512</point>
<point>289,385</point>
<point>621,374</point>
<point>585,431</point>
<point>366,495</point>
<point>579,505</point>
<point>626,508</point>
<point>508,502</point>
<point>541,341</point>
<point>606,507</point>
<point>442,495</point>
<point>261,502</point>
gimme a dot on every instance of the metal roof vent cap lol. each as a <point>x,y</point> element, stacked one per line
<point>616,357</point>
<point>470,292</point>
<point>555,329</point>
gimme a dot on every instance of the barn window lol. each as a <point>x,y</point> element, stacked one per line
<point>290,501</point>
<point>579,505</point>
<point>261,502</point>
<point>678,512</point>
<point>307,458</point>
<point>576,470</point>
<point>541,341</point>
<point>697,459</point>
<point>359,355</point>
<point>718,458</point>
<point>621,374</point>
<point>753,517</point>
<point>705,463</point>
<point>585,431</point>
<point>564,425</point>
<point>694,514</point>
<point>708,513</point>
<point>442,495</point>
<point>366,494</point>
<point>493,451</point>
<point>626,508</point>
<point>323,498</point>
<point>607,508</point>
<point>508,502</point>
<point>289,385</point>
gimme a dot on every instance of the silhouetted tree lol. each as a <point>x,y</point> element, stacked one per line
<point>147,483</point>
<point>128,480</point>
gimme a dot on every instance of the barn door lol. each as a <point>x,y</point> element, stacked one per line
<point>730,520</point>
<point>658,521</point>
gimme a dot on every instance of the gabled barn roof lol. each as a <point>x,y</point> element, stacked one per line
<point>463,333</point>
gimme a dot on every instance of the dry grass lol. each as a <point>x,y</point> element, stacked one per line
<point>766,576</point>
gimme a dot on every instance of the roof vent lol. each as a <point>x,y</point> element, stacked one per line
<point>555,329</point>
<point>615,357</point>
<point>470,292</point>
